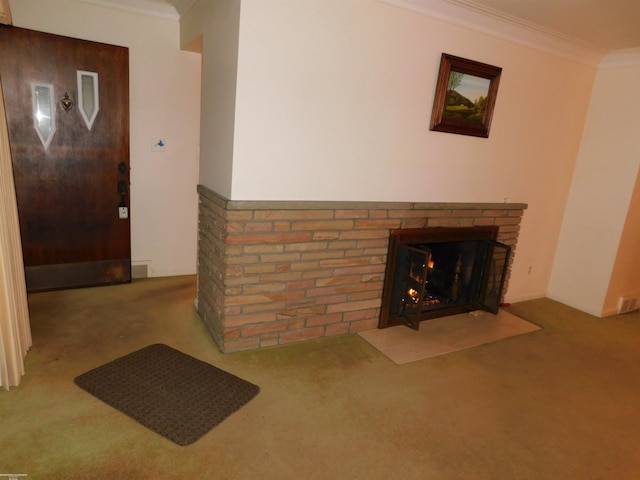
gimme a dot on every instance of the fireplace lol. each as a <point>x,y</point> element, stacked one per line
<point>278,272</point>
<point>439,271</point>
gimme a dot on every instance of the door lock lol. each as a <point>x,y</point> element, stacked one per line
<point>123,210</point>
<point>122,190</point>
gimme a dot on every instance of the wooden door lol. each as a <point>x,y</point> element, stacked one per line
<point>71,167</point>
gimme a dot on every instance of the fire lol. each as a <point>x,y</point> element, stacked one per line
<point>413,293</point>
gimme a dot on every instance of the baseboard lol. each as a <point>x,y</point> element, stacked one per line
<point>523,298</point>
<point>582,308</point>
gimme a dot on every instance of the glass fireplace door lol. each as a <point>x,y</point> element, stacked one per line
<point>444,278</point>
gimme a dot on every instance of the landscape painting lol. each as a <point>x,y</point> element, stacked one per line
<point>465,96</point>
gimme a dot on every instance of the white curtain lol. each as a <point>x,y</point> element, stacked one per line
<point>5,12</point>
<point>15,331</point>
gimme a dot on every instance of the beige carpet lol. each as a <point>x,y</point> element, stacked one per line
<point>532,407</point>
<point>445,335</point>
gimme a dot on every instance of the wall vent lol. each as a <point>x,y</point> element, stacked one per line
<point>628,303</point>
<point>139,270</point>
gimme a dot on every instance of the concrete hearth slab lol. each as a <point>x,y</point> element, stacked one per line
<point>446,334</point>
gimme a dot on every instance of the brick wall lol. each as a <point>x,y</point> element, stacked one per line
<point>279,272</point>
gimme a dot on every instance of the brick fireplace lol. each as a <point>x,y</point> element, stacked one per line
<point>278,272</point>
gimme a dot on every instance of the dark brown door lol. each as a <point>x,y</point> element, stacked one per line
<point>71,167</point>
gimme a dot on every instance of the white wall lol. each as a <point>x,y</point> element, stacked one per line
<point>334,100</point>
<point>164,101</point>
<point>217,24</point>
<point>625,278</point>
<point>601,193</point>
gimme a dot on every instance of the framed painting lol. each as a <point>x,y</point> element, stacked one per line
<point>465,96</point>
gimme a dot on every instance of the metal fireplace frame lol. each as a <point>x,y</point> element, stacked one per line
<point>419,236</point>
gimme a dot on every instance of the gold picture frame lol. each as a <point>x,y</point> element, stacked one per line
<point>453,110</point>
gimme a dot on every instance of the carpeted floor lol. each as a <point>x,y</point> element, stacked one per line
<point>559,403</point>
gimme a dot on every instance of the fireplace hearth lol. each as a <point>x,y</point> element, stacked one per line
<point>440,271</point>
<point>278,272</point>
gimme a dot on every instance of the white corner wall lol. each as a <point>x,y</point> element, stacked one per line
<point>625,278</point>
<point>601,193</point>
<point>216,23</point>
<point>334,100</point>
<point>164,102</point>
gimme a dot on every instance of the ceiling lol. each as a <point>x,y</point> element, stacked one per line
<point>601,25</point>
<point>604,25</point>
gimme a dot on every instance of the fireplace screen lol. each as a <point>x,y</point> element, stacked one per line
<point>438,278</point>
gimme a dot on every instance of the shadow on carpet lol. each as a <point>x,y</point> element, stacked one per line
<point>171,393</point>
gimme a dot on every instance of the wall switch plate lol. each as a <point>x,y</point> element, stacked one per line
<point>158,144</point>
<point>123,213</point>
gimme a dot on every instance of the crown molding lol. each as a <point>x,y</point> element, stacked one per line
<point>143,7</point>
<point>622,58</point>
<point>183,6</point>
<point>470,15</point>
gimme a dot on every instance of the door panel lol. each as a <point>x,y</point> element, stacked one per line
<point>68,194</point>
<point>495,273</point>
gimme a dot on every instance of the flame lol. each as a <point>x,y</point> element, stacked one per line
<point>413,293</point>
